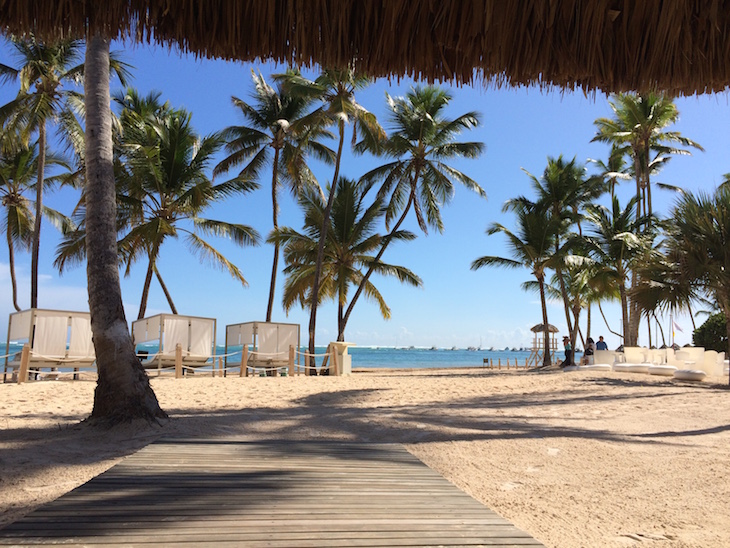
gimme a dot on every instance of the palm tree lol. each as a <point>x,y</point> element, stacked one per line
<point>336,89</point>
<point>532,247</point>
<point>698,243</point>
<point>18,169</point>
<point>165,185</point>
<point>564,190</point>
<point>45,68</point>
<point>280,122</point>
<point>350,243</point>
<point>123,390</point>
<point>422,140</point>
<point>638,130</point>
<point>614,243</point>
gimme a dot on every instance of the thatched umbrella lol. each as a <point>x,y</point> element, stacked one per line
<point>610,45</point>
<point>680,46</point>
<point>541,328</point>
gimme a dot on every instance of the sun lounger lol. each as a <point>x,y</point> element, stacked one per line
<point>194,336</point>
<point>54,338</point>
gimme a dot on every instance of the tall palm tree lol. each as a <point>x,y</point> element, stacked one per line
<point>281,122</point>
<point>422,140</point>
<point>638,129</point>
<point>564,190</point>
<point>336,89</point>
<point>123,390</point>
<point>350,242</point>
<point>615,244</point>
<point>18,169</point>
<point>699,244</point>
<point>166,185</point>
<point>532,247</point>
<point>44,69</point>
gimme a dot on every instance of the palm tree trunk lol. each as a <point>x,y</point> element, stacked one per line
<point>588,321</point>
<point>123,390</point>
<point>546,342</point>
<point>146,289</point>
<point>35,251</point>
<point>632,338</point>
<point>275,208</point>
<point>661,329</point>
<point>625,316</point>
<point>605,321</point>
<point>340,321</point>
<point>11,267</point>
<point>320,252</point>
<point>165,291</point>
<point>386,242</point>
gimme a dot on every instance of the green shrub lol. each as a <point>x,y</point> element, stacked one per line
<point>712,335</point>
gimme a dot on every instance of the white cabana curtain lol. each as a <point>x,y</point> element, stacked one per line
<point>81,344</point>
<point>146,329</point>
<point>20,325</point>
<point>175,332</point>
<point>268,343</point>
<point>201,337</point>
<point>288,336</point>
<point>51,333</point>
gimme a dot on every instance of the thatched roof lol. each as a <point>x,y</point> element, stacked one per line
<point>682,46</point>
<point>540,328</point>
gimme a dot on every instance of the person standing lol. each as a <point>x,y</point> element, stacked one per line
<point>568,352</point>
<point>601,344</point>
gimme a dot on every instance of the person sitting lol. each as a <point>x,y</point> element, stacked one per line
<point>588,354</point>
<point>601,344</point>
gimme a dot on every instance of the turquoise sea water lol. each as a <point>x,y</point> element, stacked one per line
<point>388,357</point>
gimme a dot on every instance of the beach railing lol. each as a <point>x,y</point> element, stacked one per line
<point>489,362</point>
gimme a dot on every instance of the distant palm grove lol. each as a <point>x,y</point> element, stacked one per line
<point>581,246</point>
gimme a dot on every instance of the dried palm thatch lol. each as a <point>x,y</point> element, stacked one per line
<point>681,46</point>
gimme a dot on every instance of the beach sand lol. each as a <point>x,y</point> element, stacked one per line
<point>575,459</point>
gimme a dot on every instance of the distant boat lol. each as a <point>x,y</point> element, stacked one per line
<point>454,348</point>
<point>491,349</point>
<point>411,348</point>
<point>434,348</point>
<point>472,349</point>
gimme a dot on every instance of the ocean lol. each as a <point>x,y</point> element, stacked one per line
<point>395,358</point>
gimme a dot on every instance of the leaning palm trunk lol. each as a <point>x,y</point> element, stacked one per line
<point>165,291</point>
<point>320,254</point>
<point>123,390</point>
<point>38,216</point>
<point>11,266</point>
<point>386,241</point>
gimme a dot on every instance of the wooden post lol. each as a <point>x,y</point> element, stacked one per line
<point>499,363</point>
<point>244,362</point>
<point>334,368</point>
<point>291,360</point>
<point>220,367</point>
<point>24,364</point>
<point>178,361</point>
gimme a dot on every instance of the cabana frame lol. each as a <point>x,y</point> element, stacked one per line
<point>268,344</point>
<point>53,339</point>
<point>194,335</point>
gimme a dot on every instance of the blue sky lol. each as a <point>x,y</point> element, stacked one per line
<point>455,306</point>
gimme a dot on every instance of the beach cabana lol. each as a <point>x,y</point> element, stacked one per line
<point>189,340</point>
<point>268,344</point>
<point>537,352</point>
<point>51,339</point>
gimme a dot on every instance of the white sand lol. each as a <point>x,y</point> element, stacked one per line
<point>575,459</point>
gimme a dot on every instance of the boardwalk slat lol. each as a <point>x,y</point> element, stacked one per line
<point>277,494</point>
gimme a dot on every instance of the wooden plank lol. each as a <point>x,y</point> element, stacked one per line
<point>234,493</point>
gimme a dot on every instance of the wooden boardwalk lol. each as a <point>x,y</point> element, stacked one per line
<point>279,494</point>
